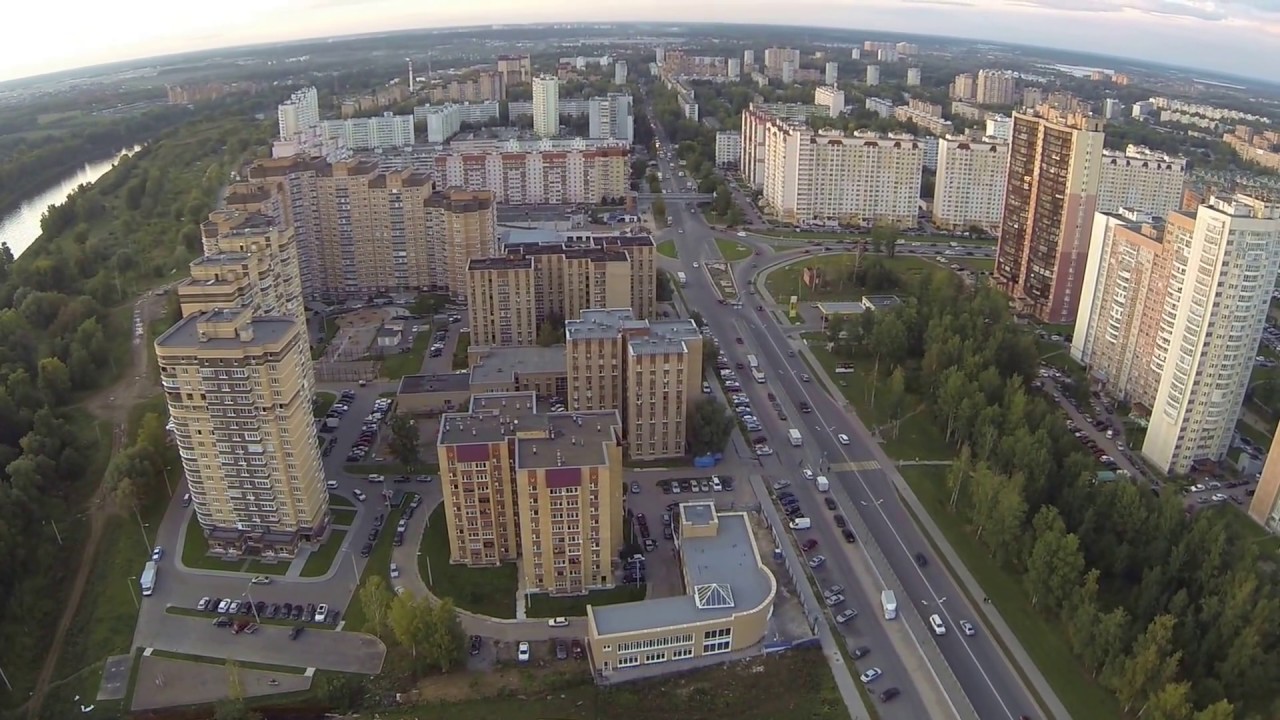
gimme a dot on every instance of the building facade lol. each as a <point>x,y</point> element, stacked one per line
<point>996,87</point>
<point>525,174</point>
<point>969,188</point>
<point>1141,179</point>
<point>873,74</point>
<point>728,148</point>
<point>371,133</point>
<point>299,113</point>
<point>248,260</point>
<point>1265,506</point>
<point>515,69</point>
<point>543,489</point>
<point>546,106</point>
<point>755,121</point>
<point>1050,197</point>
<point>830,97</point>
<point>611,118</point>
<point>442,122</point>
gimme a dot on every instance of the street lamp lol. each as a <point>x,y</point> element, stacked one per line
<point>132,580</point>
<point>254,607</point>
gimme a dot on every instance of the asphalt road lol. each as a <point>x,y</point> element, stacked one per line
<point>989,683</point>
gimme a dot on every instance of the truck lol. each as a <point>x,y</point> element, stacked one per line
<point>757,376</point>
<point>823,484</point>
<point>684,279</point>
<point>148,579</point>
<point>753,362</point>
<point>794,435</point>
<point>889,602</point>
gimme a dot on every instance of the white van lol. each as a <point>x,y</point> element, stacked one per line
<point>935,622</point>
<point>801,523</point>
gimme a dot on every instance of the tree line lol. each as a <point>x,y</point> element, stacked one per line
<point>60,338</point>
<point>1169,613</point>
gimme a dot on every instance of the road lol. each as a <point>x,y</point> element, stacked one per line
<point>863,486</point>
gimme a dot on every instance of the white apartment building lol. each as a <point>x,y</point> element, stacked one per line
<point>754,121</point>
<point>832,74</point>
<point>546,106</point>
<point>969,189</point>
<point>620,72</point>
<point>830,97</point>
<point>735,68</point>
<point>728,148</point>
<point>880,106</point>
<point>748,58</point>
<point>444,121</point>
<point>1216,305</point>
<point>1141,179</point>
<point>913,76</point>
<point>372,133</point>
<point>788,74</point>
<point>299,113</point>
<point>574,107</point>
<point>528,174</point>
<point>873,74</point>
<point>611,118</point>
<point>999,126</point>
<point>1112,108</point>
<point>826,175</point>
<point>996,87</point>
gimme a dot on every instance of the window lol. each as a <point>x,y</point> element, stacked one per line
<point>681,653</point>
<point>628,661</point>
<point>716,646</point>
<point>655,657</point>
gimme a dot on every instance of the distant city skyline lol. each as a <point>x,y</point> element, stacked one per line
<point>1239,37</point>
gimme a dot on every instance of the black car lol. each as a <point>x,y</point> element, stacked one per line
<point>261,607</point>
<point>311,611</point>
<point>273,610</point>
<point>805,407</point>
<point>286,610</point>
<point>476,642</point>
<point>921,560</point>
<point>377,521</point>
<point>373,535</point>
<point>727,482</point>
<point>213,604</point>
<point>246,608</point>
<point>365,550</point>
<point>849,537</point>
<point>297,611</point>
<point>334,616</point>
<point>221,621</point>
<point>294,632</point>
<point>861,651</point>
<point>830,502</point>
<point>398,540</point>
<point>889,694</point>
<point>840,521</point>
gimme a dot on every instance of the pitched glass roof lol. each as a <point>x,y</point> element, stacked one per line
<point>713,596</point>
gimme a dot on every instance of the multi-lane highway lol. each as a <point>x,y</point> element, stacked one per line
<point>863,486</point>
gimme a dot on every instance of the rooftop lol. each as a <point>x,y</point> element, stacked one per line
<point>440,382</point>
<point>192,331</point>
<point>643,337</point>
<point>841,308</point>
<point>491,418</point>
<point>505,364</point>
<point>572,440</point>
<point>723,571</point>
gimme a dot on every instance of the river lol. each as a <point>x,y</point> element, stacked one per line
<point>21,227</point>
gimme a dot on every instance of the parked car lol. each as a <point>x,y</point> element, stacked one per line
<point>522,652</point>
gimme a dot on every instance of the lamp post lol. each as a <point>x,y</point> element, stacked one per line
<point>133,593</point>
<point>252,606</point>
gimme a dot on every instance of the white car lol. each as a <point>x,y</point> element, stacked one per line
<point>834,600</point>
<point>331,484</point>
<point>322,613</point>
<point>696,266</point>
<point>742,234</point>
<point>816,561</point>
<point>395,570</point>
<point>716,485</point>
<point>870,675</point>
<point>807,473</point>
<point>558,622</point>
<point>224,606</point>
<point>377,478</point>
<point>359,495</point>
<point>156,553</point>
<point>967,628</point>
<point>846,616</point>
<point>261,580</point>
<point>522,652</point>
<point>844,439</point>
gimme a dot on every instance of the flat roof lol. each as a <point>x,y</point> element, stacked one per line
<point>267,330</point>
<point>643,337</point>
<point>488,419</point>
<point>573,440</point>
<point>841,308</point>
<point>436,382</point>
<point>724,573</point>
<point>529,236</point>
<point>503,364</point>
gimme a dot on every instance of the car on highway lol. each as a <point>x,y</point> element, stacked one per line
<point>861,651</point>
<point>834,600</point>
<point>809,544</point>
<point>805,407</point>
<point>921,560</point>
<point>558,622</point>
<point>844,439</point>
<point>522,652</point>
<point>870,675</point>
<point>816,561</point>
<point>840,521</point>
<point>739,341</point>
<point>893,692</point>
<point>967,628</point>
<point>261,580</point>
<point>833,590</point>
<point>807,474</point>
<point>847,615</point>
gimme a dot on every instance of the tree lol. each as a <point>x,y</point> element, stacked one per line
<point>1152,664</point>
<point>1171,702</point>
<point>659,212</point>
<point>1055,565</point>
<point>665,291</point>
<point>375,598</point>
<point>54,380</point>
<point>340,692</point>
<point>709,427</point>
<point>1221,710</point>
<point>405,441</point>
<point>885,238</point>
<point>444,641</point>
<point>897,397</point>
<point>234,710</point>
<point>408,619</point>
<point>551,331</point>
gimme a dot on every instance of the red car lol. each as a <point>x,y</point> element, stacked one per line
<point>809,545</point>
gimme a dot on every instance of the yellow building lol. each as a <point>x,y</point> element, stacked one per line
<point>238,390</point>
<point>510,296</point>
<point>726,608</point>
<point>545,488</point>
<point>650,371</point>
<point>248,260</point>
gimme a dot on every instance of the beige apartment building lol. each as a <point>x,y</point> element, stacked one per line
<point>1050,197</point>
<point>238,387</point>
<point>995,87</point>
<point>515,69</point>
<point>561,176</point>
<point>1142,179</point>
<point>755,122</point>
<point>362,231</point>
<point>775,58</point>
<point>727,601</point>
<point>250,261</point>
<point>481,87</point>
<point>1177,324</point>
<point>926,115</point>
<point>1265,506</point>
<point>970,183</point>
<point>862,178</point>
<point>964,88</point>
<point>650,371</point>
<point>541,488</point>
<point>512,295</point>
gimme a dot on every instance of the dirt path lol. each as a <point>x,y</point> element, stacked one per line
<point>112,404</point>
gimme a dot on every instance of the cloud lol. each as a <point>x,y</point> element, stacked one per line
<point>1189,9</point>
<point>947,3</point>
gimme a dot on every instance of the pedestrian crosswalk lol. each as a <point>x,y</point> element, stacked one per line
<point>855,466</point>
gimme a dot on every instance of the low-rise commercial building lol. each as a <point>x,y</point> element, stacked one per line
<point>728,601</point>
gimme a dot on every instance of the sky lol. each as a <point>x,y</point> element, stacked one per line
<point>1241,37</point>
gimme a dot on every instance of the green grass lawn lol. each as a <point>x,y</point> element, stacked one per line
<point>667,248</point>
<point>746,690</point>
<point>488,591</point>
<point>264,567</point>
<point>733,250</point>
<point>342,516</point>
<point>1259,437</point>
<point>978,265</point>
<point>397,365</point>
<point>545,606</point>
<point>339,501</point>
<point>783,282</point>
<point>195,551</point>
<point>319,561</point>
<point>322,402</point>
<point>1043,639</point>
<point>460,351</point>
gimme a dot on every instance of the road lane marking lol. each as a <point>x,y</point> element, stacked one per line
<point>855,466</point>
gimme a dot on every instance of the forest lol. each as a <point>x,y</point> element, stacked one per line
<point>65,309</point>
<point>1175,616</point>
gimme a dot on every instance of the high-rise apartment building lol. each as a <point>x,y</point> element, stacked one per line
<point>755,121</point>
<point>830,97</point>
<point>620,72</point>
<point>832,74</point>
<point>996,87</point>
<point>1050,197</point>
<point>548,172</point>
<point>913,76</point>
<point>775,57</point>
<point>873,74</point>
<point>1171,315</point>
<point>728,148</point>
<point>999,126</point>
<point>515,69</point>
<point>541,488</point>
<point>249,261</point>
<point>299,113</point>
<point>650,371</point>
<point>748,58</point>
<point>371,133</point>
<point>512,295</point>
<point>1141,179</point>
<point>969,189</point>
<point>1265,506</point>
<point>546,106</point>
<point>611,118</point>
<point>788,74</point>
<point>859,178</point>
<point>362,231</point>
<point>963,88</point>
<point>735,68</point>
